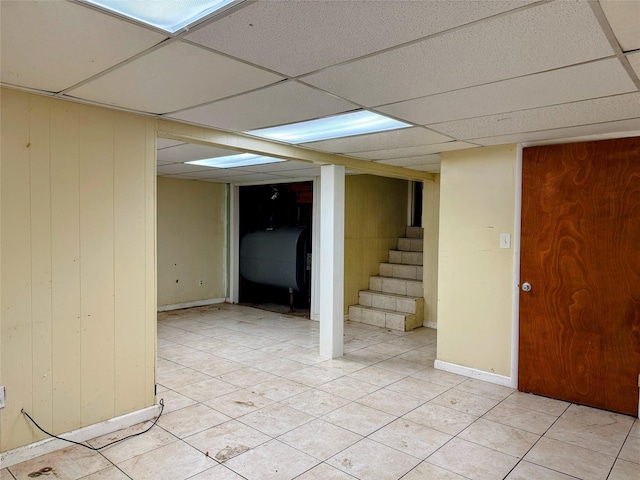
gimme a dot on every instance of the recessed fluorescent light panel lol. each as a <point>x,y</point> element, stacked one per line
<point>231,161</point>
<point>168,15</point>
<point>345,125</point>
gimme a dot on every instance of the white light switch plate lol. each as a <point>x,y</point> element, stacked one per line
<point>505,240</point>
<point>2,397</point>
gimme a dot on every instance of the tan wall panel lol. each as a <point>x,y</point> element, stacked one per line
<point>475,281</point>
<point>15,266</point>
<point>191,239</point>
<point>431,225</point>
<point>151,281</point>
<point>77,204</point>
<point>40,189</point>
<point>130,263</point>
<point>375,217</point>
<point>96,263</point>
<point>65,266</point>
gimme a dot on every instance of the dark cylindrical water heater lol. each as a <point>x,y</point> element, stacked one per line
<point>277,257</point>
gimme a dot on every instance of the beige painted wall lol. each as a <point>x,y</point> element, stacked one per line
<point>475,281</point>
<point>191,240</point>
<point>431,225</point>
<point>77,265</point>
<point>375,217</point>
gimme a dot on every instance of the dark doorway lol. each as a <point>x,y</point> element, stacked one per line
<point>269,213</point>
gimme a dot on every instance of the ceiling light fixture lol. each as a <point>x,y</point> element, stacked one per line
<point>337,126</point>
<point>167,15</point>
<point>232,161</point>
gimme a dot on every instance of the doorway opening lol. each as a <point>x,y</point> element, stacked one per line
<point>275,222</point>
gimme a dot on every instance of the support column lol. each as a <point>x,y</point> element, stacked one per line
<point>331,260</point>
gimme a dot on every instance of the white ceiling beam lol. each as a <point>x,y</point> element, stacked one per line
<point>249,144</point>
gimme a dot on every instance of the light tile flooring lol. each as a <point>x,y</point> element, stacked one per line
<point>247,397</point>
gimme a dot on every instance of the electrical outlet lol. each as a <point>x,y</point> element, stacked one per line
<point>201,282</point>
<point>2,397</point>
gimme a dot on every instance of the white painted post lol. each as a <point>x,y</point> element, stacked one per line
<point>234,244</point>
<point>331,260</point>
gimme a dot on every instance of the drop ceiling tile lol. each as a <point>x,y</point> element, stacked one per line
<point>279,167</point>
<point>634,60</point>
<point>624,18</point>
<point>629,128</point>
<point>252,177</point>
<point>174,77</point>
<point>413,151</point>
<point>413,161</point>
<point>405,137</point>
<point>600,110</point>
<point>176,168</point>
<point>54,45</point>
<point>507,46</point>
<point>286,102</point>
<point>316,34</point>
<point>597,79</point>
<point>166,143</point>
<point>187,152</point>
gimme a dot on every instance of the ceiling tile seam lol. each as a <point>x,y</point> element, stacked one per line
<point>20,88</point>
<point>433,125</point>
<point>237,59</point>
<point>444,92</point>
<point>423,39</point>
<point>229,97</point>
<point>399,148</point>
<point>613,41</point>
<point>479,139</point>
<point>157,46</point>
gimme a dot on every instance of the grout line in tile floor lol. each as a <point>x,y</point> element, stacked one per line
<point>247,388</point>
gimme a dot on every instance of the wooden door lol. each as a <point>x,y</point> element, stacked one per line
<point>580,252</point>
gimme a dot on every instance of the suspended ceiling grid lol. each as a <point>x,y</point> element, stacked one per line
<point>462,73</point>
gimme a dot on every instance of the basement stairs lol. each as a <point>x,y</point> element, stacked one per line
<point>395,296</point>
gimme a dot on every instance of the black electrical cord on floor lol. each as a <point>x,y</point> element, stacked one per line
<point>104,446</point>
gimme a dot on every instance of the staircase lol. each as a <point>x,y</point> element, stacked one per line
<point>395,296</point>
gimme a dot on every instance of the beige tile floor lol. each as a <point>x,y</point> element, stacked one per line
<point>247,397</point>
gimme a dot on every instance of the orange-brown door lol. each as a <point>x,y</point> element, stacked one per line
<point>580,254</point>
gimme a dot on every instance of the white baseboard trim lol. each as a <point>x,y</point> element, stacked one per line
<point>42,447</point>
<point>195,303</point>
<point>433,325</point>
<point>475,373</point>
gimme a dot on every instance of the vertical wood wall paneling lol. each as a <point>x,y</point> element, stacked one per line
<point>40,190</point>
<point>65,266</point>
<point>130,267</point>
<point>150,260</point>
<point>96,264</point>
<point>16,269</point>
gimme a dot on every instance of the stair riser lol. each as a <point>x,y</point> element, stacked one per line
<point>413,272</point>
<point>394,321</point>
<point>405,258</point>
<point>396,285</point>
<point>385,302</point>
<point>415,232</point>
<point>410,244</point>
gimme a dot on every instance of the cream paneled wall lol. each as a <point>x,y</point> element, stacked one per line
<point>191,241</point>
<point>77,265</point>
<point>431,225</point>
<point>475,280</point>
<point>375,217</point>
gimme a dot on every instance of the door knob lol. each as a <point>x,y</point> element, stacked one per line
<point>526,287</point>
